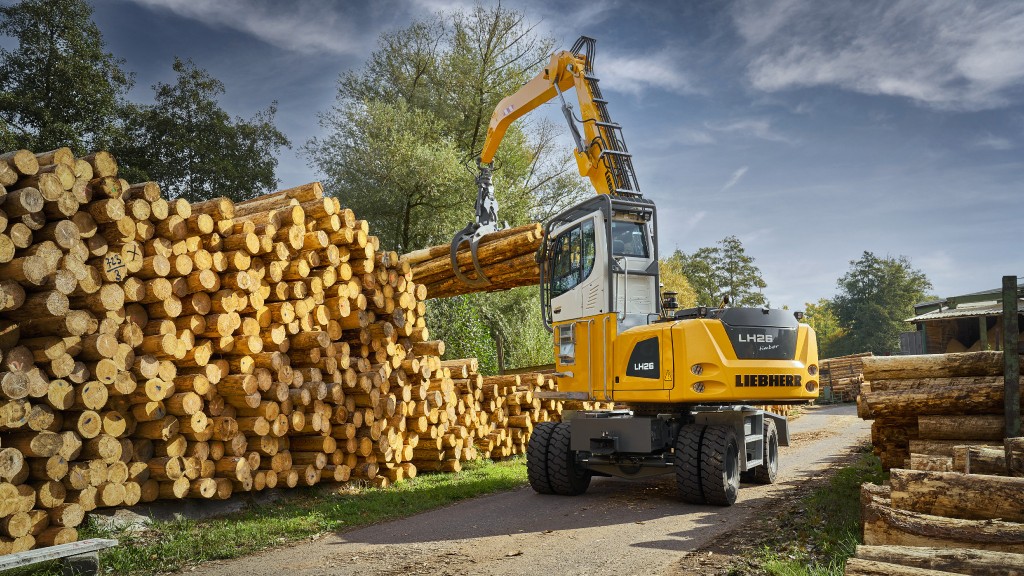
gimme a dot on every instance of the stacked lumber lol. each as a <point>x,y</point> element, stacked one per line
<point>843,375</point>
<point>507,258</point>
<point>929,410</point>
<point>488,417</point>
<point>68,243</point>
<point>927,522</point>
<point>153,348</point>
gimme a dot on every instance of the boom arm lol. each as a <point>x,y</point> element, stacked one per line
<point>601,153</point>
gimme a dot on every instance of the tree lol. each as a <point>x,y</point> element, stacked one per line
<point>433,86</point>
<point>58,87</point>
<point>674,279</point>
<point>875,298</point>
<point>189,144</point>
<point>724,269</point>
<point>821,316</point>
<point>395,172</point>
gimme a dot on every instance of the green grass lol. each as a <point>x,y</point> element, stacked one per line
<point>823,530</point>
<point>171,546</point>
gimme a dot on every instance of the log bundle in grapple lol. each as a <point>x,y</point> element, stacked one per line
<point>507,258</point>
<point>155,348</point>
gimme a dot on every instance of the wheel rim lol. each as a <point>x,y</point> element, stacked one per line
<point>732,465</point>
<point>773,455</point>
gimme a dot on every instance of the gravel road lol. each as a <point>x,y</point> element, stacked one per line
<point>617,528</point>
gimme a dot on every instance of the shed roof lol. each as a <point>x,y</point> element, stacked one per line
<point>974,309</point>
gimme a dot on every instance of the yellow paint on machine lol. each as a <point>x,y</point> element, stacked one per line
<point>696,364</point>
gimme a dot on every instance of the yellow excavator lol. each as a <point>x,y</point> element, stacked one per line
<point>685,382</point>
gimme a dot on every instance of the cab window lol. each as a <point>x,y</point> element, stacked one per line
<point>629,239</point>
<point>573,258</point>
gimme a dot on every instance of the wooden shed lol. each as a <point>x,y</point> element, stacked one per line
<point>966,323</point>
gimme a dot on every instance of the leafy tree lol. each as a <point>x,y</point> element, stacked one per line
<point>875,297</point>
<point>395,173</point>
<point>432,87</point>
<point>724,269</point>
<point>58,87</point>
<point>674,280</point>
<point>189,144</point>
<point>821,315</point>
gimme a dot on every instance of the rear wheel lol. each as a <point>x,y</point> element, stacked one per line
<point>687,463</point>
<point>767,472</point>
<point>720,465</point>
<point>566,476</point>
<point>537,458</point>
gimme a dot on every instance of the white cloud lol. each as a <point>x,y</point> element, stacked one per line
<point>945,54</point>
<point>305,27</point>
<point>695,219</point>
<point>755,127</point>
<point>637,73</point>
<point>990,141</point>
<point>735,178</point>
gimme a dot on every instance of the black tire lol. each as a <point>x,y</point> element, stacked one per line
<point>768,472</point>
<point>720,465</point>
<point>688,477</point>
<point>566,477</point>
<point>537,458</point>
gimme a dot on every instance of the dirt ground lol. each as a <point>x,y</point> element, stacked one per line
<point>617,528</point>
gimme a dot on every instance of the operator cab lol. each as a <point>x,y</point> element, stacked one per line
<point>601,256</point>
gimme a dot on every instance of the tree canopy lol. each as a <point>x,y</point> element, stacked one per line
<point>418,110</point>
<point>723,269</point>
<point>875,298</point>
<point>189,144</point>
<point>59,87</point>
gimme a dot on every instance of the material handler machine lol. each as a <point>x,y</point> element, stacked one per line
<point>684,381</point>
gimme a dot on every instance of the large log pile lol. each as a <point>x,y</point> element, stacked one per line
<point>956,488</point>
<point>941,523</point>
<point>507,257</point>
<point>156,349</point>
<point>843,375</point>
<point>934,411</point>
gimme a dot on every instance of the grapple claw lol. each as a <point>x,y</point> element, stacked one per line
<point>486,222</point>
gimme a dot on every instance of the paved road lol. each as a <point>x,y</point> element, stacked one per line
<point>617,528</point>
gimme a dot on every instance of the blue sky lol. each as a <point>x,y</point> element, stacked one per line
<point>811,130</point>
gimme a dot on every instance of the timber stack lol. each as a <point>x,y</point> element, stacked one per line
<point>844,375</point>
<point>928,522</point>
<point>507,258</point>
<point>954,503</point>
<point>935,412</point>
<point>160,349</point>
<point>482,416</point>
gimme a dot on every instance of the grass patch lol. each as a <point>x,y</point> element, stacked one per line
<point>171,546</point>
<point>823,529</point>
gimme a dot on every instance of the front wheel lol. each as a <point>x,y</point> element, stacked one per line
<point>566,475</point>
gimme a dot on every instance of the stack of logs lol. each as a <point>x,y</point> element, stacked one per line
<point>955,499</point>
<point>488,417</point>
<point>935,412</point>
<point>157,349</point>
<point>962,522</point>
<point>507,258</point>
<point>843,375</point>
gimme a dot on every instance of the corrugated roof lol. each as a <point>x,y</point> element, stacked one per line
<point>965,311</point>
